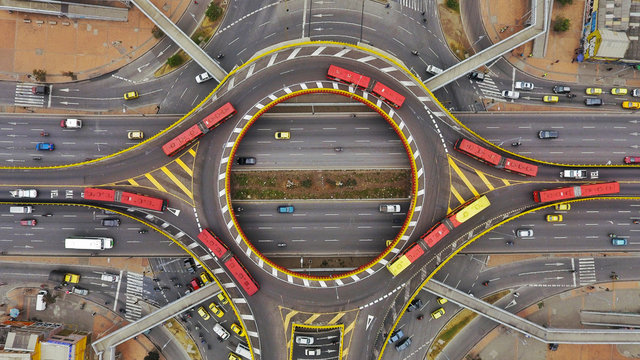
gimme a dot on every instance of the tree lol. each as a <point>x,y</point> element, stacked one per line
<point>152,355</point>
<point>40,75</point>
<point>213,12</point>
<point>453,5</point>
<point>175,60</point>
<point>561,24</point>
<point>565,2</point>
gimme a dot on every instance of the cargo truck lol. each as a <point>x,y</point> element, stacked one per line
<point>578,174</point>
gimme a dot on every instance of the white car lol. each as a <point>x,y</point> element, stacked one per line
<point>524,233</point>
<point>109,277</point>
<point>510,94</point>
<point>71,124</point>
<point>523,85</point>
<point>304,340</point>
<point>20,193</point>
<point>203,77</point>
<point>312,351</point>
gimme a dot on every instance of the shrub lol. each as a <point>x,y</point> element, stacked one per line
<point>306,183</point>
<point>40,75</point>
<point>175,60</point>
<point>565,2</point>
<point>213,12</point>
<point>561,24</point>
<point>152,355</point>
<point>157,33</point>
<point>453,5</point>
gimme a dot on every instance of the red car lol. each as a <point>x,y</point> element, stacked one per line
<point>195,284</point>
<point>631,159</point>
<point>28,222</point>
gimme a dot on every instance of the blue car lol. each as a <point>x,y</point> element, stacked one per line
<point>45,147</point>
<point>285,209</point>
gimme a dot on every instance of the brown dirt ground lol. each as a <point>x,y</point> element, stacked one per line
<point>322,184</point>
<point>454,32</point>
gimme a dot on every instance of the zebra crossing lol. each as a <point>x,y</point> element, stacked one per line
<point>24,97</point>
<point>586,271</point>
<point>133,296</point>
<point>489,88</point>
<point>412,4</point>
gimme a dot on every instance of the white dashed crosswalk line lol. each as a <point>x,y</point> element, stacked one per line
<point>133,296</point>
<point>586,271</point>
<point>24,97</point>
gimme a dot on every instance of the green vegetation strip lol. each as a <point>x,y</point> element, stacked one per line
<point>320,184</point>
<point>456,325</point>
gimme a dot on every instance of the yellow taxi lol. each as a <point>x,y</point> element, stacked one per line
<point>223,299</point>
<point>233,356</point>
<point>619,91</point>
<point>554,218</point>
<point>205,278</point>
<point>594,91</point>
<point>237,329</point>
<point>282,135</point>
<point>550,99</point>
<point>131,95</point>
<point>563,207</point>
<point>441,301</point>
<point>216,310</point>
<point>630,105</point>
<point>205,315</point>
<point>437,314</point>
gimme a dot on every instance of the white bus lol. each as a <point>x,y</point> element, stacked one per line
<point>88,243</point>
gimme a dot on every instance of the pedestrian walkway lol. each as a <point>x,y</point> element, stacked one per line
<point>489,88</point>
<point>25,97</point>
<point>133,310</point>
<point>586,271</point>
<point>416,5</point>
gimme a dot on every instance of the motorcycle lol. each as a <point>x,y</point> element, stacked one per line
<point>44,133</point>
<point>516,144</point>
<point>571,96</point>
<point>47,214</point>
<point>338,149</point>
<point>220,56</point>
<point>37,158</point>
<point>142,231</point>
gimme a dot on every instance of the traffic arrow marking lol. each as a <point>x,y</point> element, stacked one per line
<point>175,212</point>
<point>369,320</point>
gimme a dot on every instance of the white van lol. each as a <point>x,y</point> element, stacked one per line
<point>243,351</point>
<point>220,331</point>
<point>88,243</point>
<point>434,70</point>
<point>40,304</point>
<point>21,209</point>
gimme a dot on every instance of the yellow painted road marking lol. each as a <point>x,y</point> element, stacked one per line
<point>133,182</point>
<point>312,318</point>
<point>192,152</point>
<point>155,182</point>
<point>336,318</point>
<point>288,318</point>
<point>506,182</point>
<point>457,195</point>
<point>184,167</point>
<point>484,179</point>
<point>350,327</point>
<point>177,182</point>
<point>462,177</point>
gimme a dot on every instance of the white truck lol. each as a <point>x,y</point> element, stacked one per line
<point>578,174</point>
<point>88,243</point>
<point>389,208</point>
<point>24,193</point>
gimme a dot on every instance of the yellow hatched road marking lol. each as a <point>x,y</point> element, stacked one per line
<point>192,152</point>
<point>184,167</point>
<point>155,182</point>
<point>176,181</point>
<point>336,318</point>
<point>462,177</point>
<point>288,318</point>
<point>312,318</point>
<point>484,179</point>
<point>457,195</point>
<point>133,182</point>
<point>349,328</point>
<point>506,182</point>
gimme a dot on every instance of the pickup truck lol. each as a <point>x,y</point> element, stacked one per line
<point>20,193</point>
<point>388,208</point>
<point>578,174</point>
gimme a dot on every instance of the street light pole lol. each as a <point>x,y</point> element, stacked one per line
<point>480,38</point>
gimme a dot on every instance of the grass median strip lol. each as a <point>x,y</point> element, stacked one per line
<point>320,184</point>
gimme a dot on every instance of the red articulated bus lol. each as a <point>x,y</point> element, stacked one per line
<point>218,248</point>
<point>389,96</point>
<point>435,234</point>
<point>348,77</point>
<point>194,132</point>
<point>242,276</point>
<point>496,160</point>
<point>576,191</point>
<point>127,198</point>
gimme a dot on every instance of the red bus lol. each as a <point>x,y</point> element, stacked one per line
<point>194,132</point>
<point>348,77</point>
<point>496,160</point>
<point>213,243</point>
<point>386,94</point>
<point>477,152</point>
<point>241,275</point>
<point>520,167</point>
<point>435,234</point>
<point>124,197</point>
<point>576,191</point>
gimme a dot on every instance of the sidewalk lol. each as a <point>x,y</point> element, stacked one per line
<point>87,48</point>
<point>559,65</point>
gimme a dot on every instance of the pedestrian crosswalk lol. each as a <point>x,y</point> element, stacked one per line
<point>586,271</point>
<point>24,96</point>
<point>489,88</point>
<point>133,311</point>
<point>412,4</point>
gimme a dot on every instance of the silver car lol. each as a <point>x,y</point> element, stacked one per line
<point>524,232</point>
